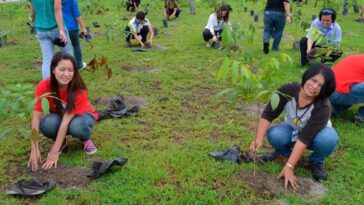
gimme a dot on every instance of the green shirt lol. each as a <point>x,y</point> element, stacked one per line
<point>44,14</point>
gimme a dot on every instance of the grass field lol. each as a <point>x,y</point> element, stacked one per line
<point>168,142</point>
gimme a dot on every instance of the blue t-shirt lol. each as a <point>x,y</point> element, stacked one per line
<point>44,14</point>
<point>70,12</point>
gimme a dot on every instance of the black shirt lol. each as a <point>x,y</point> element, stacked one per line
<point>312,121</point>
<point>275,5</point>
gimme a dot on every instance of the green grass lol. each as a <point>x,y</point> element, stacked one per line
<point>168,142</point>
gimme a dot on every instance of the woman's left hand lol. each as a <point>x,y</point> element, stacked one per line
<point>51,160</point>
<point>289,176</point>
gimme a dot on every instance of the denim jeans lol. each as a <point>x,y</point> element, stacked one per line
<point>46,39</point>
<point>79,127</point>
<point>274,22</point>
<point>345,7</point>
<point>323,144</point>
<point>192,6</point>
<point>341,102</point>
<point>75,40</point>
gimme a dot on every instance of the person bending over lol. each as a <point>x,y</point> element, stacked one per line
<point>215,25</point>
<point>70,111</point>
<point>329,29</point>
<point>306,126</point>
<point>138,28</point>
<point>349,75</point>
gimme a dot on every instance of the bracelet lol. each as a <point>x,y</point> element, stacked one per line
<point>290,165</point>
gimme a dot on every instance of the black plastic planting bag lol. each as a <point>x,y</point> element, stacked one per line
<point>235,155</point>
<point>100,168</point>
<point>117,108</point>
<point>29,187</point>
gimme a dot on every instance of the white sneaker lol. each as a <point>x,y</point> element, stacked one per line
<point>83,65</point>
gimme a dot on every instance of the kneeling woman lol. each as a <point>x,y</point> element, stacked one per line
<point>306,126</point>
<point>69,107</point>
<point>215,25</point>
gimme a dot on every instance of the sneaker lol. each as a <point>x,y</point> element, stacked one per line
<point>318,171</point>
<point>83,66</point>
<point>359,119</point>
<point>266,48</point>
<point>89,147</point>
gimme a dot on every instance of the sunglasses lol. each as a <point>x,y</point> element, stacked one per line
<point>327,11</point>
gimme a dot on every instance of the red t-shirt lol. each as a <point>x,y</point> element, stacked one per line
<point>349,71</point>
<point>82,104</point>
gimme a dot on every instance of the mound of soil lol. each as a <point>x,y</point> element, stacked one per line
<point>65,176</point>
<point>268,186</point>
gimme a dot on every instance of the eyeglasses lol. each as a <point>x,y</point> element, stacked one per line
<point>327,11</point>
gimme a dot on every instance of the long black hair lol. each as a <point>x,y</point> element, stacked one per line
<point>75,85</point>
<point>329,85</point>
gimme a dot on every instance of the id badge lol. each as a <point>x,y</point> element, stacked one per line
<point>294,135</point>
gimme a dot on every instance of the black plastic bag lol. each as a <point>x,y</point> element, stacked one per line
<point>29,187</point>
<point>117,108</point>
<point>235,155</point>
<point>100,168</point>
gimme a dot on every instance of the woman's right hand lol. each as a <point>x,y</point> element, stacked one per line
<point>214,39</point>
<point>254,146</point>
<point>34,159</point>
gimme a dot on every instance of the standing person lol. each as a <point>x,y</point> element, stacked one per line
<point>329,28</point>
<point>215,25</point>
<point>349,74</point>
<point>306,125</point>
<point>72,18</point>
<point>138,28</point>
<point>47,17</point>
<point>70,111</point>
<point>276,13</point>
<point>171,9</point>
<point>345,7</point>
<point>133,5</point>
<point>192,7</point>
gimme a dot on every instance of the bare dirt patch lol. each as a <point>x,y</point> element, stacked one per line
<point>268,186</point>
<point>129,101</point>
<point>65,176</point>
<point>142,68</point>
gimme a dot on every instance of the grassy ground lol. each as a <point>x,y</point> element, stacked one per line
<point>168,142</point>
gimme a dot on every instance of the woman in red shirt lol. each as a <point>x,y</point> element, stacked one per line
<point>69,107</point>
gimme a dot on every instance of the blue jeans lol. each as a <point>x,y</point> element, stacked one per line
<point>274,22</point>
<point>341,102</point>
<point>75,40</point>
<point>46,39</point>
<point>323,144</point>
<point>79,127</point>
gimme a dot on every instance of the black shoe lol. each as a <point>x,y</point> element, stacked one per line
<point>268,157</point>
<point>266,48</point>
<point>318,171</point>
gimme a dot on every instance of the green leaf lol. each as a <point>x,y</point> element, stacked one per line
<point>274,101</point>
<point>45,106</point>
<point>235,74</point>
<point>222,72</point>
